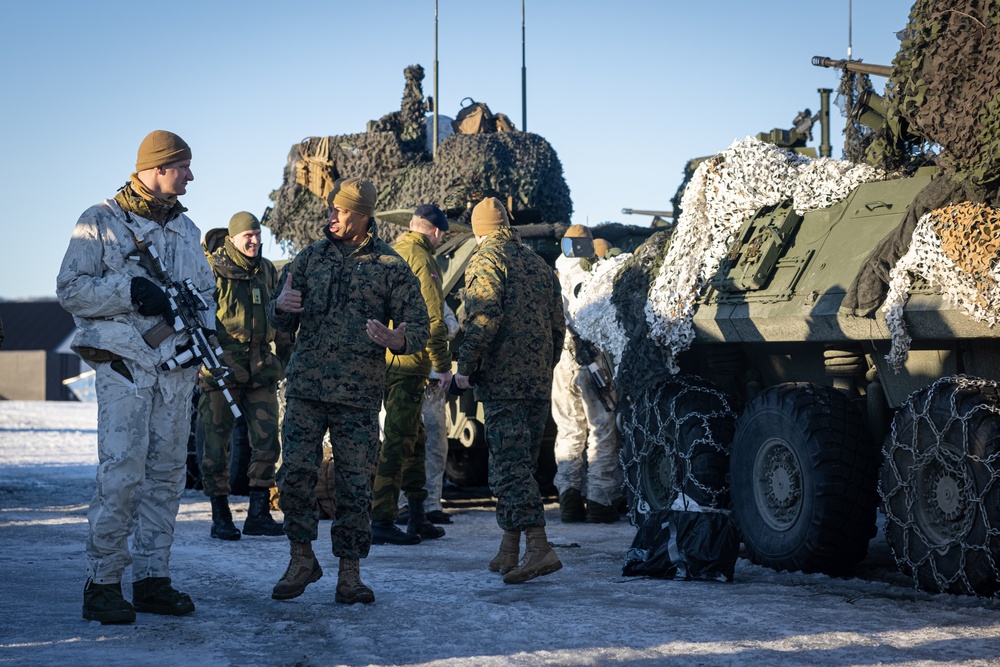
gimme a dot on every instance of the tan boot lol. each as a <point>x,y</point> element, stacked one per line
<point>506,558</point>
<point>350,588</point>
<point>539,558</point>
<point>303,569</point>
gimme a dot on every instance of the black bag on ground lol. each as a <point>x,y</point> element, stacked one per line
<point>686,544</point>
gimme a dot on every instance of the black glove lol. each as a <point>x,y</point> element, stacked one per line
<point>151,299</point>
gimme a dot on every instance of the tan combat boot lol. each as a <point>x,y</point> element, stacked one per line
<point>539,558</point>
<point>506,558</point>
<point>350,588</point>
<point>303,569</point>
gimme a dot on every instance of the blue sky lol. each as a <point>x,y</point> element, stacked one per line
<point>625,92</point>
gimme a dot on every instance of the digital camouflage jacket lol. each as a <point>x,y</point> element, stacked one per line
<point>95,283</point>
<point>418,253</point>
<point>342,287</point>
<point>243,286</point>
<point>513,320</point>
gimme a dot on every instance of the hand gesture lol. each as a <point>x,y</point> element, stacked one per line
<point>290,299</point>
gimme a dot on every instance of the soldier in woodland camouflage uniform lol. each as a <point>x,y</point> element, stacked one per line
<point>339,294</point>
<point>514,331</point>
<point>143,417</point>
<point>245,283</point>
<point>401,463</point>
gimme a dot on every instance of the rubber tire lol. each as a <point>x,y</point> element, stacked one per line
<point>827,489</point>
<point>655,468</point>
<point>467,466</point>
<point>962,548</point>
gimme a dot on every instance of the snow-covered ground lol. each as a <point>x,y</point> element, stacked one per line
<point>436,604</point>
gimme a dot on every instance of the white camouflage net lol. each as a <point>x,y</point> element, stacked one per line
<point>724,192</point>
<point>593,315</point>
<point>964,267</point>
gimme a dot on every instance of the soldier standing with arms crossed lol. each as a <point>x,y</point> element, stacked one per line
<point>143,419</point>
<point>514,330</point>
<point>401,463</point>
<point>245,282</point>
<point>338,295</point>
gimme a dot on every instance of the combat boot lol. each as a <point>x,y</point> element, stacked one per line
<point>539,558</point>
<point>105,603</point>
<point>598,513</point>
<point>155,595</point>
<point>384,532</point>
<point>571,506</point>
<point>419,525</point>
<point>222,519</point>
<point>506,558</point>
<point>303,569</point>
<point>259,521</point>
<point>350,588</point>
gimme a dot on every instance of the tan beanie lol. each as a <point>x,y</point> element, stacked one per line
<point>354,194</point>
<point>159,148</point>
<point>601,247</point>
<point>578,232</point>
<point>488,216</point>
<point>243,222</point>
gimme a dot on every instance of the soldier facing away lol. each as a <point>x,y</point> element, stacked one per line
<point>514,330</point>
<point>245,282</point>
<point>143,420</point>
<point>339,295</point>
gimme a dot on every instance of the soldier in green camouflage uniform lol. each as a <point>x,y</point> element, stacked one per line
<point>339,294</point>
<point>143,419</point>
<point>514,331</point>
<point>401,463</point>
<point>245,282</point>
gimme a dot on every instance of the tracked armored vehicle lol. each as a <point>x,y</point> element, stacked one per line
<point>814,338</point>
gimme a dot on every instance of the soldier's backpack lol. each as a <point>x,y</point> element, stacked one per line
<point>475,118</point>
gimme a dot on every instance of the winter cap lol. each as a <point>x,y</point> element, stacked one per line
<point>578,232</point>
<point>488,216</point>
<point>354,194</point>
<point>159,148</point>
<point>243,222</point>
<point>601,248</point>
<point>433,215</point>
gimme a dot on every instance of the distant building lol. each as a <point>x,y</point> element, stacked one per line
<point>35,357</point>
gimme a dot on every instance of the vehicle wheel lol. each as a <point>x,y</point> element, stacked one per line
<point>467,466</point>
<point>803,480</point>
<point>674,437</point>
<point>940,487</point>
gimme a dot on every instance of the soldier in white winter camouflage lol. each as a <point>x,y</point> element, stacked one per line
<point>143,420</point>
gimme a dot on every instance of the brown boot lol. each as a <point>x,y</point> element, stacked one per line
<point>539,558</point>
<point>303,569</point>
<point>506,558</point>
<point>350,588</point>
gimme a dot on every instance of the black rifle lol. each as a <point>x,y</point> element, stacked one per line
<point>186,303</point>
<point>588,356</point>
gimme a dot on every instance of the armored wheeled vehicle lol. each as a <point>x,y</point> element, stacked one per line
<point>814,338</point>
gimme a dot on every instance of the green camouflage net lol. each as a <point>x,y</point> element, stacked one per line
<point>517,167</point>
<point>944,87</point>
<point>940,487</point>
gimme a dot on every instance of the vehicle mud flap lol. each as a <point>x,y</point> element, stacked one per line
<point>803,477</point>
<point>940,487</point>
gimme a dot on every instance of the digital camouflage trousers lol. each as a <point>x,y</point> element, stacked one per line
<point>514,430</point>
<point>354,439</point>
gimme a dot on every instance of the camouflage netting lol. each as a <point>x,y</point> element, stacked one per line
<point>518,167</point>
<point>944,87</point>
